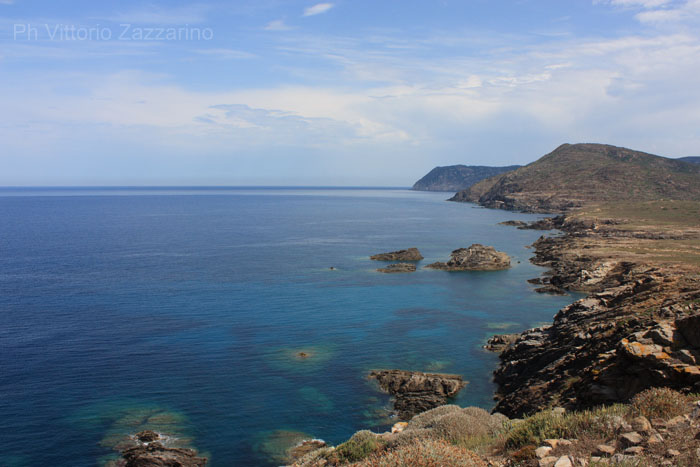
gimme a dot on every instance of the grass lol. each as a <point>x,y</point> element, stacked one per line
<point>424,453</point>
<point>361,445</point>
<point>595,423</point>
<point>661,403</point>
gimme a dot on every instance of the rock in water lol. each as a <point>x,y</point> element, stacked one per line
<point>411,254</point>
<point>157,455</point>
<point>398,267</point>
<point>475,258</point>
<point>416,392</point>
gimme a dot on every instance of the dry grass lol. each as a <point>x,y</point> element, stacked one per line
<point>661,403</point>
<point>424,453</point>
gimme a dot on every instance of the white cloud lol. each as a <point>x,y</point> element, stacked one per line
<point>318,9</point>
<point>7,2</point>
<point>636,3</point>
<point>277,25</point>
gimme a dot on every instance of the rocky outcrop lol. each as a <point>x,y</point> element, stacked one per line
<point>475,258</point>
<point>416,392</point>
<point>638,328</point>
<point>410,254</point>
<point>150,452</point>
<point>398,268</point>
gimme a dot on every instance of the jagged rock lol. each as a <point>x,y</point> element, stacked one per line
<point>475,258</point>
<point>564,461</point>
<point>398,268</point>
<point>416,392</point>
<point>514,223</point>
<point>673,453</point>
<point>551,289</point>
<point>641,425</point>
<point>689,327</point>
<point>548,461</point>
<point>603,450</point>
<point>631,439</point>
<point>156,455</point>
<point>410,254</point>
<point>634,450</point>
<point>543,451</point>
<point>500,342</point>
<point>147,436</point>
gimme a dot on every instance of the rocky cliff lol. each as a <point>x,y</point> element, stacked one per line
<point>475,258</point>
<point>638,328</point>
<point>458,177</point>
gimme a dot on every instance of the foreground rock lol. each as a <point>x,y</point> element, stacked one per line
<point>149,451</point>
<point>411,254</point>
<point>157,455</point>
<point>475,258</point>
<point>416,392</point>
<point>398,268</point>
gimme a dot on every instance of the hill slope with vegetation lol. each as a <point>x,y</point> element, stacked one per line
<point>575,174</point>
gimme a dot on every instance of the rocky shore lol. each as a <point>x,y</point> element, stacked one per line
<point>639,327</point>
<point>410,254</point>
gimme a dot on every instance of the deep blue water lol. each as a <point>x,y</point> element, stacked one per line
<point>183,310</point>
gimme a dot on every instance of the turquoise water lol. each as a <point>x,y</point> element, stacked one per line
<point>184,310</point>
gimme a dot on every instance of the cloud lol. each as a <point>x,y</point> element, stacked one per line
<point>636,3</point>
<point>277,25</point>
<point>318,9</point>
<point>7,2</point>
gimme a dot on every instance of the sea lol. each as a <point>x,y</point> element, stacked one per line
<point>238,321</point>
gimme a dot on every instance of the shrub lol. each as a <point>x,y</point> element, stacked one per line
<point>662,403</point>
<point>595,423</point>
<point>362,444</point>
<point>428,418</point>
<point>424,453</point>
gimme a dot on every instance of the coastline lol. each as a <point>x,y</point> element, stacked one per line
<point>624,337</point>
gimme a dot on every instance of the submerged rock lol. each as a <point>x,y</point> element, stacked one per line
<point>416,392</point>
<point>411,254</point>
<point>475,258</point>
<point>500,342</point>
<point>398,268</point>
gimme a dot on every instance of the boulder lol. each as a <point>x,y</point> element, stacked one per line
<point>416,392</point>
<point>410,254</point>
<point>689,327</point>
<point>475,258</point>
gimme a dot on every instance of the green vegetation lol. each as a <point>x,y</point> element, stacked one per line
<point>362,444</point>
<point>597,423</point>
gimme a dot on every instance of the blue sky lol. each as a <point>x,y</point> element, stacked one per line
<point>346,92</point>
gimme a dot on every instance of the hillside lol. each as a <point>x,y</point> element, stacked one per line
<point>694,159</point>
<point>576,174</point>
<point>458,177</point>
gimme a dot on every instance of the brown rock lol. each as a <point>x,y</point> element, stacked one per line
<point>398,268</point>
<point>673,453</point>
<point>475,258</point>
<point>147,436</point>
<point>641,424</point>
<point>631,439</point>
<point>603,450</point>
<point>410,254</point>
<point>416,392</point>
<point>634,451</point>
<point>543,451</point>
<point>689,327</point>
<point>156,455</point>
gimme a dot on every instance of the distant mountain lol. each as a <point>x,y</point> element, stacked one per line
<point>458,177</point>
<point>693,159</point>
<point>574,174</point>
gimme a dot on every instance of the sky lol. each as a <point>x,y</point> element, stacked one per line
<point>343,92</point>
